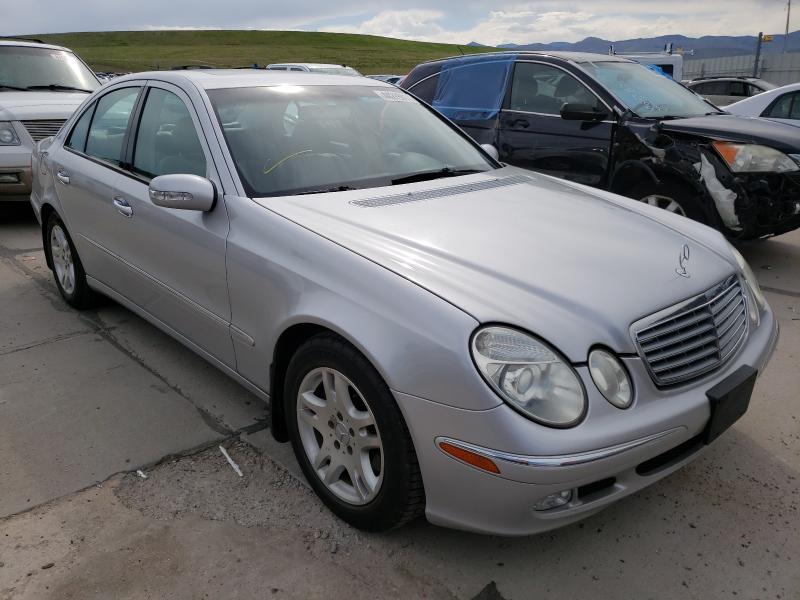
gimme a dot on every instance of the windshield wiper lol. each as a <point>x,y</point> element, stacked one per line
<point>338,188</point>
<point>59,88</point>
<point>428,175</point>
<point>4,86</point>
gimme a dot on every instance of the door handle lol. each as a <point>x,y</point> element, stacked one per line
<point>123,207</point>
<point>62,176</point>
<point>520,123</point>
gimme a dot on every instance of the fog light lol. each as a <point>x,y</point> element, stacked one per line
<point>9,178</point>
<point>553,500</point>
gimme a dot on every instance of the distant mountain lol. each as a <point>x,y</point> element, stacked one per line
<point>476,45</point>
<point>704,47</point>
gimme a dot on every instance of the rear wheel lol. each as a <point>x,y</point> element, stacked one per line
<point>67,267</point>
<point>350,438</point>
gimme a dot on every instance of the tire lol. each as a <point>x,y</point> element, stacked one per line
<point>66,264</point>
<point>360,443</point>
<point>670,195</point>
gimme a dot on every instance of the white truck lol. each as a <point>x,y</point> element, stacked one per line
<point>40,87</point>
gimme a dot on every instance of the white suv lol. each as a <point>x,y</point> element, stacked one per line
<point>40,87</point>
<point>315,68</point>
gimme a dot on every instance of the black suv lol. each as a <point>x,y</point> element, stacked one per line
<point>612,123</point>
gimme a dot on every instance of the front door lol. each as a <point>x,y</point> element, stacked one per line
<point>174,259</point>
<point>534,136</point>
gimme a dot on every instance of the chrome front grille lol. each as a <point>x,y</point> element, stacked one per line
<point>42,129</point>
<point>695,336</point>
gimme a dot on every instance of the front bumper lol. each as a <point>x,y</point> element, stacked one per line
<point>600,461</point>
<point>768,204</point>
<point>15,163</point>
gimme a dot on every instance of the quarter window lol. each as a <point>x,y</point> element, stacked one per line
<point>544,89</point>
<point>110,122</point>
<point>787,107</point>
<point>167,140</point>
<point>77,139</point>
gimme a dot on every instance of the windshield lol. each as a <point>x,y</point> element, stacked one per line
<point>26,68</point>
<point>292,139</point>
<point>647,93</point>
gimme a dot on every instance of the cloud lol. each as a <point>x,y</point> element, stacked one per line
<point>408,24</point>
<point>548,21</point>
<point>456,21</point>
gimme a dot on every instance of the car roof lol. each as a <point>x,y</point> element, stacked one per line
<point>310,65</point>
<point>577,57</point>
<point>32,45</point>
<point>210,79</point>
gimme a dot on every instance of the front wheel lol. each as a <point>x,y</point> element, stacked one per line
<point>350,438</point>
<point>670,196</point>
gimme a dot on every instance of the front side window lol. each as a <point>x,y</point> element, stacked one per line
<point>167,140</point>
<point>645,93</point>
<point>292,139</point>
<point>109,124</point>
<point>712,88</point>
<point>543,89</point>
<point>32,68</point>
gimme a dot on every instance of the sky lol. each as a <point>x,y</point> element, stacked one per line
<point>453,21</point>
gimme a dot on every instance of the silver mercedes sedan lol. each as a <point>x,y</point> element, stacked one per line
<point>435,332</point>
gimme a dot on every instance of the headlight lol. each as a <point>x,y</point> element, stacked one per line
<point>529,375</point>
<point>752,284</point>
<point>752,158</point>
<point>611,378</point>
<point>8,137</point>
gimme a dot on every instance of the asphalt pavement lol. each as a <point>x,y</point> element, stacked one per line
<point>87,399</point>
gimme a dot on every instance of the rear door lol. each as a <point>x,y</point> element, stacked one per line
<point>86,171</point>
<point>534,136</point>
<point>174,260</point>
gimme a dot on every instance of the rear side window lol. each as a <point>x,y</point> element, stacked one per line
<point>77,139</point>
<point>472,91</point>
<point>712,88</point>
<point>426,89</point>
<point>167,141</point>
<point>787,107</point>
<point>110,122</point>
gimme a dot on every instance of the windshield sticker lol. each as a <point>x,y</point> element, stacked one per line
<point>393,96</point>
<point>59,55</point>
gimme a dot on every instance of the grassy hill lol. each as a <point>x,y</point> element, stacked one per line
<point>147,50</point>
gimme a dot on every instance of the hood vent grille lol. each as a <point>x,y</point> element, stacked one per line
<point>454,190</point>
<point>42,129</point>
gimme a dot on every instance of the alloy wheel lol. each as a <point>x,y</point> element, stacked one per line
<point>340,436</point>
<point>63,263</point>
<point>665,203</point>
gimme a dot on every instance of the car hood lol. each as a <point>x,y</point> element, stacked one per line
<point>22,106</point>
<point>738,129</point>
<point>573,265</point>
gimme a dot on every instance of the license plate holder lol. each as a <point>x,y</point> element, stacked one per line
<point>729,400</point>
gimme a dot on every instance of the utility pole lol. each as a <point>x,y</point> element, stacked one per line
<point>786,37</point>
<point>758,53</point>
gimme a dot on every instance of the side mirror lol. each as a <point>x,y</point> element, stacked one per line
<point>582,112</point>
<point>186,192</point>
<point>491,151</point>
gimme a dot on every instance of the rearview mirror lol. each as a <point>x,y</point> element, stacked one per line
<point>491,151</point>
<point>186,192</point>
<point>582,112</point>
